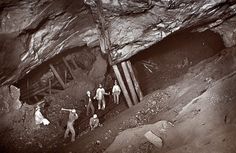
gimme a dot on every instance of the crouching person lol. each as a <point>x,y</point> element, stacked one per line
<point>94,122</point>
<point>39,118</point>
<point>70,124</point>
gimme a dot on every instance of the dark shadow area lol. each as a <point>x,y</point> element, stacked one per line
<point>34,80</point>
<point>163,63</point>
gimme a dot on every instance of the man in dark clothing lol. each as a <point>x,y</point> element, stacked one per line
<point>90,104</point>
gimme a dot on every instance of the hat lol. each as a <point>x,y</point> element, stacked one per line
<point>37,107</point>
<point>95,116</point>
<point>73,110</point>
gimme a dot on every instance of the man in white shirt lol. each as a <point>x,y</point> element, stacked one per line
<point>116,93</point>
<point>39,118</point>
<point>70,123</point>
<point>100,92</point>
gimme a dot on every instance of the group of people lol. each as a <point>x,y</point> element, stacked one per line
<point>100,97</point>
<point>94,121</point>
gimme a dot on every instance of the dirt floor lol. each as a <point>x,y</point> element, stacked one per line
<point>199,110</point>
<point>192,110</point>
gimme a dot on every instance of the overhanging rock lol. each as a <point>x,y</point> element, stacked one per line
<point>135,25</point>
<point>32,32</point>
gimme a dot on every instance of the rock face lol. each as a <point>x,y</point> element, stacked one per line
<point>10,99</point>
<point>10,103</point>
<point>32,32</point>
<point>133,26</point>
<point>228,31</point>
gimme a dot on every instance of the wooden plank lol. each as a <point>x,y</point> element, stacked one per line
<point>68,67</point>
<point>154,139</point>
<point>27,89</point>
<point>122,85</point>
<point>65,76</point>
<point>35,92</point>
<point>129,82</point>
<point>135,81</point>
<point>36,98</point>
<point>56,90</point>
<point>74,63</point>
<point>50,86</point>
<point>43,94</point>
<point>57,76</point>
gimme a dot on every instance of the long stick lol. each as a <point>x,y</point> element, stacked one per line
<point>129,82</point>
<point>135,81</point>
<point>68,67</point>
<point>57,76</point>
<point>64,109</point>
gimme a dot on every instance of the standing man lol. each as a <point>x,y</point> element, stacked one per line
<point>100,92</point>
<point>116,93</point>
<point>94,122</point>
<point>90,104</point>
<point>70,128</point>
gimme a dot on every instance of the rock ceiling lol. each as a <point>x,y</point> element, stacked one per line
<point>32,32</point>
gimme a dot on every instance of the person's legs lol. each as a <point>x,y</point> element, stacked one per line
<point>66,132</point>
<point>114,98</point>
<point>99,104</point>
<point>87,112</point>
<point>72,130</point>
<point>92,108</point>
<point>118,98</point>
<point>103,104</point>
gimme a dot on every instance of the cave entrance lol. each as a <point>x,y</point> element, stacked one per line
<point>54,75</point>
<point>164,63</point>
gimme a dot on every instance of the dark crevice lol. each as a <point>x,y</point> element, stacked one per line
<point>33,30</point>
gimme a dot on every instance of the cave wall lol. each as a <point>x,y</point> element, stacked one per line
<point>35,31</point>
<point>19,125</point>
<point>32,32</point>
<point>132,26</point>
<point>9,106</point>
<point>164,63</point>
<point>227,30</point>
<point>9,97</point>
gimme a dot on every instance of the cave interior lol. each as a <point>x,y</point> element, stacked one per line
<point>166,55</point>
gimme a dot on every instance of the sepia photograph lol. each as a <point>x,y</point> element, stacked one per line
<point>117,76</point>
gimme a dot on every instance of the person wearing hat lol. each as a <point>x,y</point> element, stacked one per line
<point>90,104</point>
<point>94,122</point>
<point>70,128</point>
<point>100,92</point>
<point>116,92</point>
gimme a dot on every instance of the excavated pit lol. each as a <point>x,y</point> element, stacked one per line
<point>156,68</point>
<point>35,85</point>
<point>45,31</point>
<point>163,63</point>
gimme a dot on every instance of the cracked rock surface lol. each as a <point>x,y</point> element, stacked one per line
<point>32,32</point>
